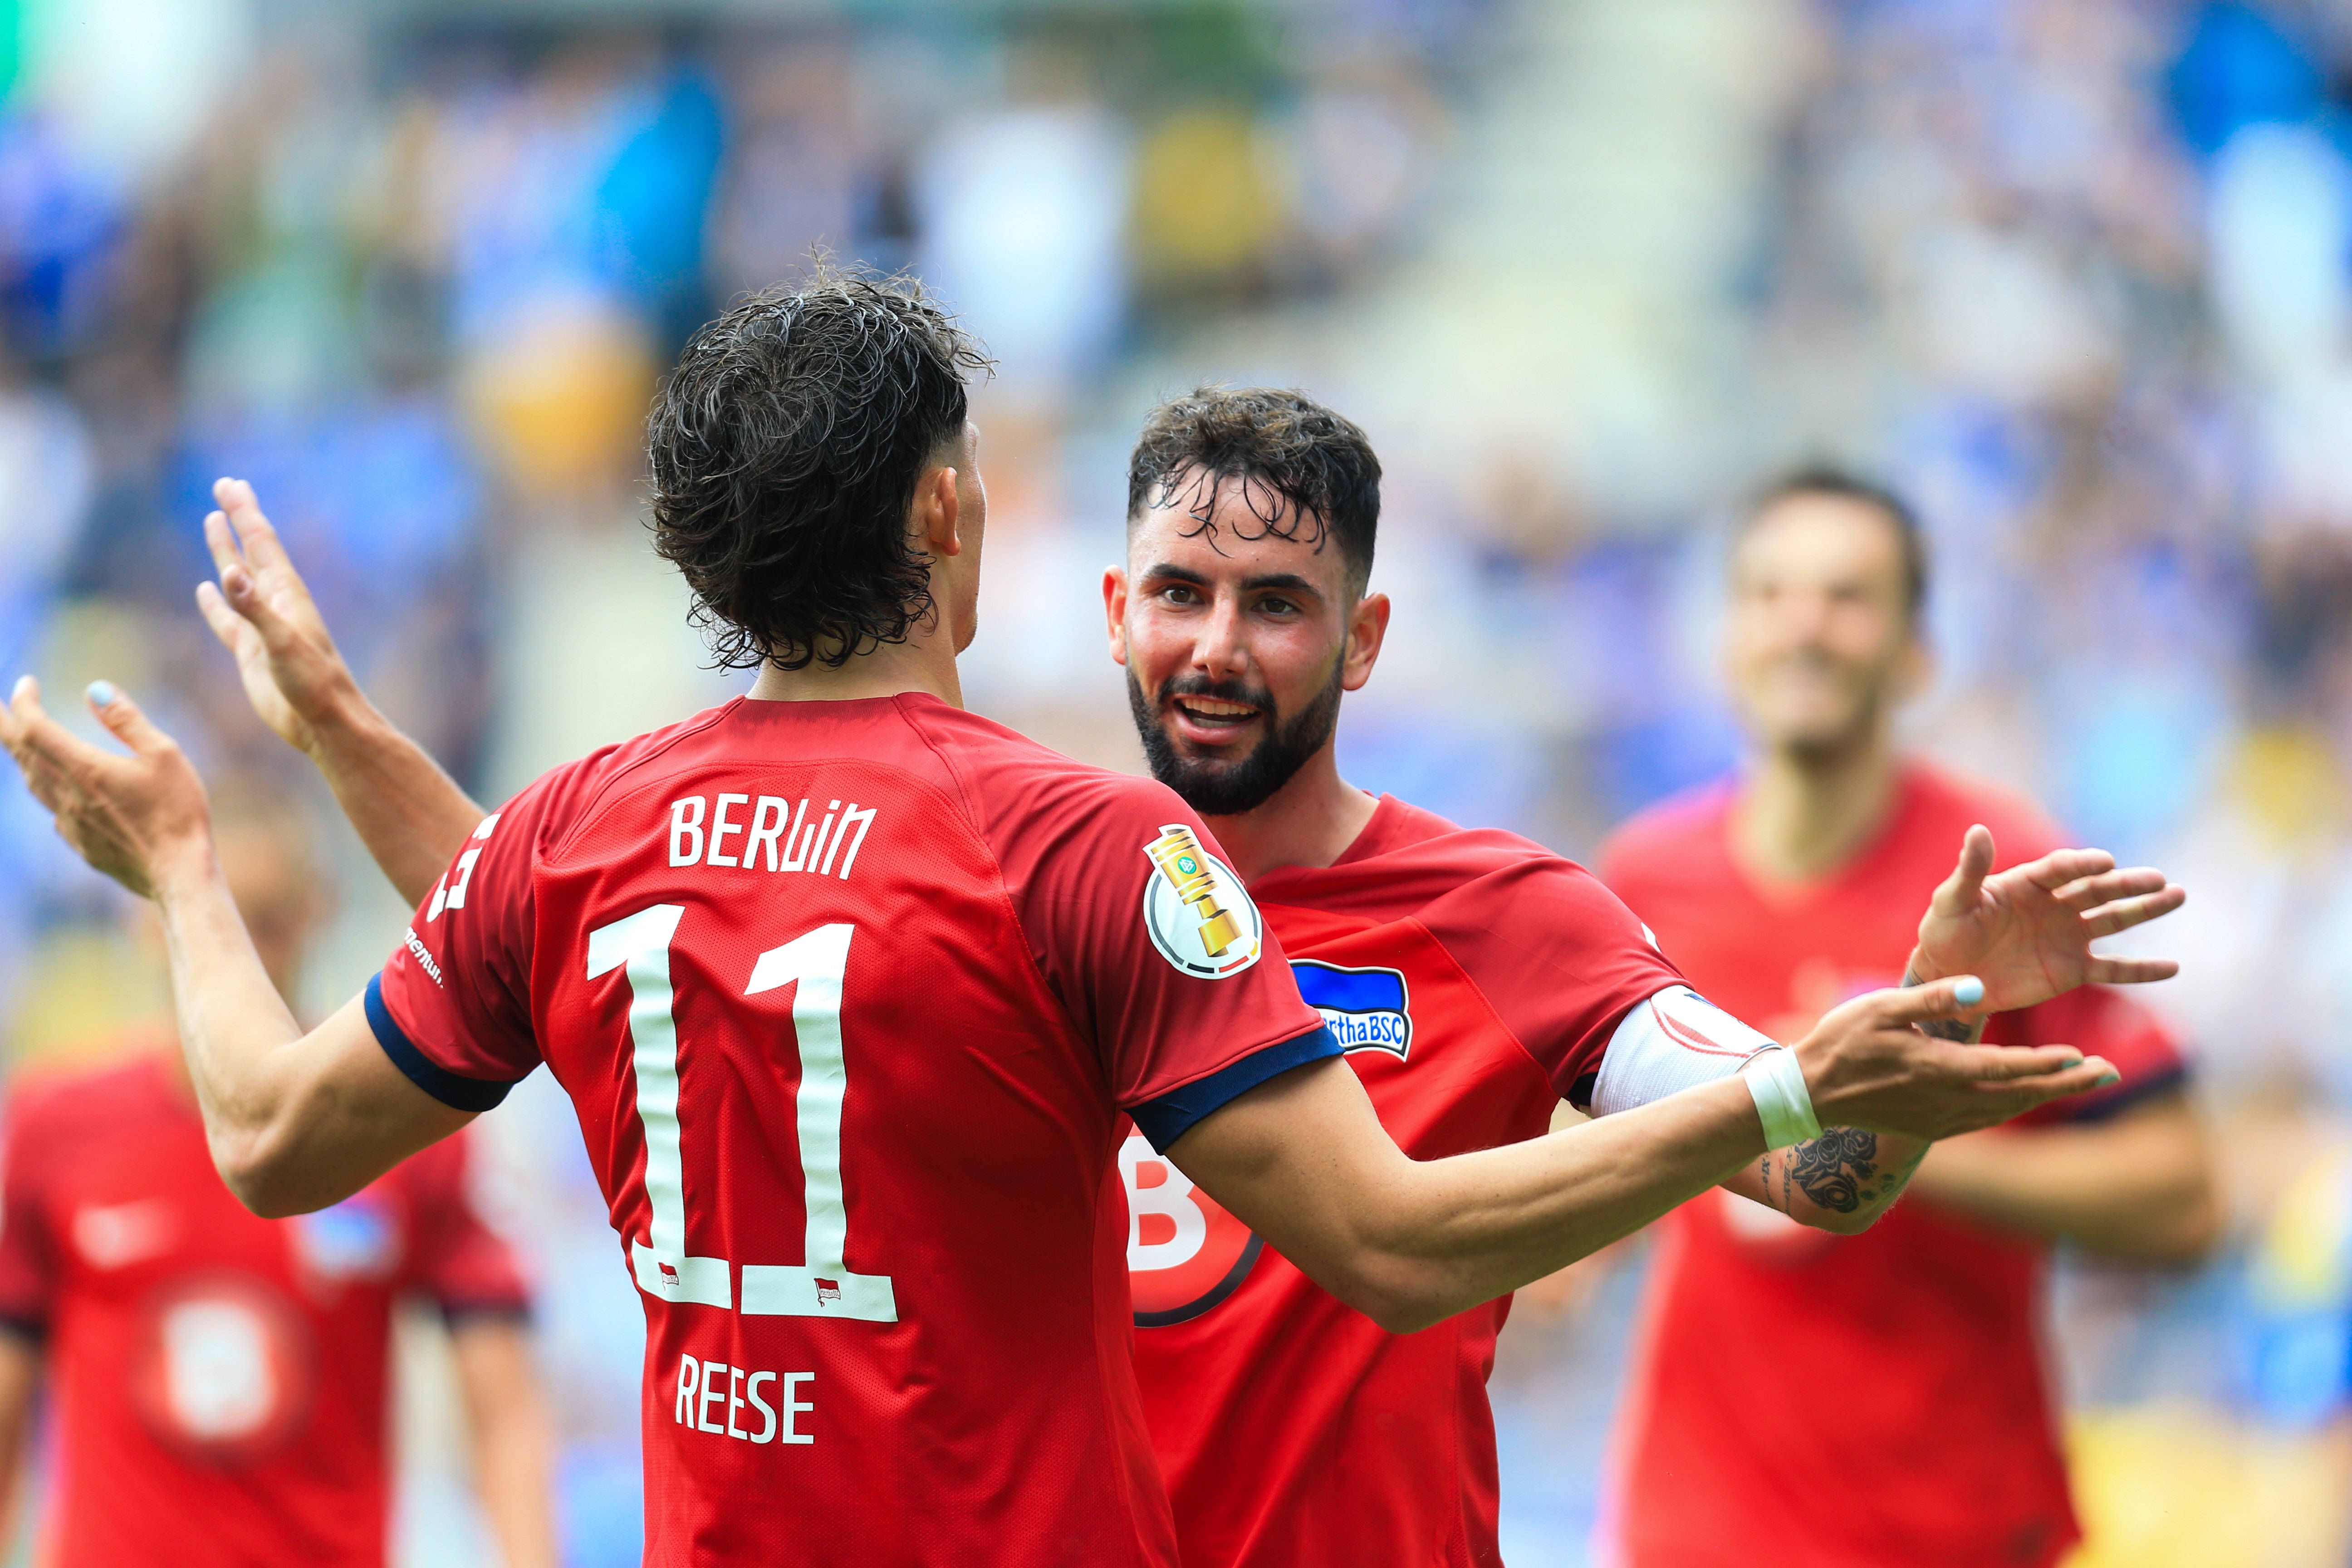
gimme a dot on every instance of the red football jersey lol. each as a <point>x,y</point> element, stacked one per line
<point>219,1379</point>
<point>1938,1447</point>
<point>1474,979</point>
<point>850,997</point>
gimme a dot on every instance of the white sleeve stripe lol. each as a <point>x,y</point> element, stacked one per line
<point>1675,1040</point>
<point>1689,1036</point>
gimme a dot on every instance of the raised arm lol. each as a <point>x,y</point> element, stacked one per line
<point>296,1120</point>
<point>1303,1161</point>
<point>409,813</point>
<point>2028,932</point>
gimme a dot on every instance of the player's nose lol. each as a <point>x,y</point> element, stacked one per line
<point>1220,646</point>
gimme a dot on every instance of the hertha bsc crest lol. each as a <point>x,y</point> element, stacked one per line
<point>1200,917</point>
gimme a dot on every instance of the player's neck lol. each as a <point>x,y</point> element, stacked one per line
<point>925,664</point>
<point>1310,821</point>
<point>1802,816</point>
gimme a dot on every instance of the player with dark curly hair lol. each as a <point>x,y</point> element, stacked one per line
<point>853,990</point>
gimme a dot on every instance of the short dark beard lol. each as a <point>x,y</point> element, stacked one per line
<point>1220,788</point>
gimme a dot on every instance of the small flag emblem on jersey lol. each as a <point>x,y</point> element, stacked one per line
<point>668,1273</point>
<point>1194,906</point>
<point>828,1290</point>
<point>1365,1009</point>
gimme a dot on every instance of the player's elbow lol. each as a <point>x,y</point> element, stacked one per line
<point>1401,1312</point>
<point>1847,1222</point>
<point>261,1172</point>
<point>1842,1223</point>
<point>1402,1296</point>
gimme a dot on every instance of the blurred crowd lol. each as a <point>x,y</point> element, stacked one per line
<point>2076,275</point>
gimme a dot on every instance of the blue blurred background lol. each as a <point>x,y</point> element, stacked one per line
<point>2078,274</point>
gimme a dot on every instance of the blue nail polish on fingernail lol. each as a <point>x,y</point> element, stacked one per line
<point>2109,1077</point>
<point>102,693</point>
<point>1969,992</point>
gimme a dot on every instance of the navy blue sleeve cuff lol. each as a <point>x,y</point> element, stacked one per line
<point>1170,1117</point>
<point>448,1088</point>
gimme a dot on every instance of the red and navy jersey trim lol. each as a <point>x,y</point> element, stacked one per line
<point>1170,1117</point>
<point>450,1088</point>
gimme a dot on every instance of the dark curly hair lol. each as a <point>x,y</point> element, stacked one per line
<point>1307,473</point>
<point>785,450</point>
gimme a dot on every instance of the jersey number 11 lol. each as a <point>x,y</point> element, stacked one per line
<point>820,1287</point>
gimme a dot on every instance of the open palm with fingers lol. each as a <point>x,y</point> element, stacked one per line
<point>129,814</point>
<point>263,614</point>
<point>2027,932</point>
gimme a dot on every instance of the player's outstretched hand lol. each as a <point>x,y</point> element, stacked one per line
<point>1866,1065</point>
<point>264,614</point>
<point>128,816</point>
<point>2027,932</point>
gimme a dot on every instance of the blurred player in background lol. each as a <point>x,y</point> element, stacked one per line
<point>1475,979</point>
<point>1908,1360</point>
<point>899,1229</point>
<point>222,1382</point>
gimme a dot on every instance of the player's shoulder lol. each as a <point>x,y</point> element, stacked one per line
<point>570,791</point>
<point>1407,840</point>
<point>1413,862</point>
<point>1015,785</point>
<point>1942,802</point>
<point>1667,834</point>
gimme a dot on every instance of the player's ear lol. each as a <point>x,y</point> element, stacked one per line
<point>939,508</point>
<point>1115,610</point>
<point>1368,628</point>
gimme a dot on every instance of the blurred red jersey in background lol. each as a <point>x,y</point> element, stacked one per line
<point>220,1379</point>
<point>1846,1401</point>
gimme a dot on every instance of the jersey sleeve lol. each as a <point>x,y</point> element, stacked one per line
<point>28,1251</point>
<point>457,1259</point>
<point>452,1006</point>
<point>1559,957</point>
<point>2102,1022</point>
<point>1156,951</point>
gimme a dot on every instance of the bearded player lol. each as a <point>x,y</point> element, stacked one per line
<point>1475,980</point>
<point>1782,893</point>
<point>851,988</point>
<point>1304,626</point>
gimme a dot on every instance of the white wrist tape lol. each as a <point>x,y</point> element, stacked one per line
<point>1783,1102</point>
<point>1673,1041</point>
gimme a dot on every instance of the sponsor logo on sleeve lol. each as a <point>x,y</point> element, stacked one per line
<point>1200,917</point>
<point>424,959</point>
<point>1365,1009</point>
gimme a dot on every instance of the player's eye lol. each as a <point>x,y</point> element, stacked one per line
<point>1180,594</point>
<point>1273,607</point>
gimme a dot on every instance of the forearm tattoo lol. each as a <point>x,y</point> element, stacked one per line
<point>1832,1168</point>
<point>1838,1171</point>
<point>1959,1030</point>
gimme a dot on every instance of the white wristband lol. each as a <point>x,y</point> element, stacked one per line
<point>1783,1102</point>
